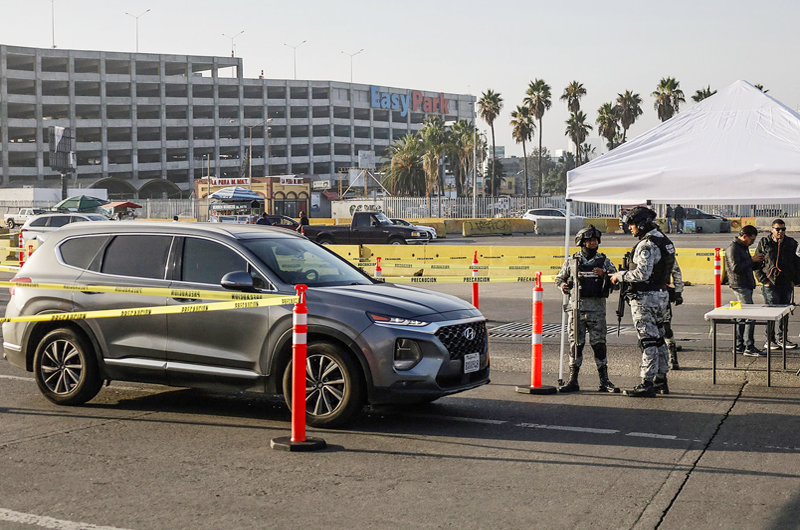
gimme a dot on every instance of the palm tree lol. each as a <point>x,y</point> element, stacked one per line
<point>538,100</point>
<point>607,123</point>
<point>433,140</point>
<point>668,96</point>
<point>761,88</point>
<point>628,108</point>
<point>490,105</point>
<point>403,173</point>
<point>522,131</point>
<point>572,95</point>
<point>577,130</point>
<point>460,151</point>
<point>703,93</point>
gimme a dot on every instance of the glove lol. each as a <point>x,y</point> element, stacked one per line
<point>678,299</point>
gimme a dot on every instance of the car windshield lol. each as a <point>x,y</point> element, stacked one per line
<point>382,219</point>
<point>296,261</point>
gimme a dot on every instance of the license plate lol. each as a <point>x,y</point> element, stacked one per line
<point>472,362</point>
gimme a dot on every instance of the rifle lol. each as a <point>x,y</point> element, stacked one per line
<point>576,300</point>
<point>623,291</point>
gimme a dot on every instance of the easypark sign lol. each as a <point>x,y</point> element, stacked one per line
<point>403,102</point>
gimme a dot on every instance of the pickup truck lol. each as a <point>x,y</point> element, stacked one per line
<point>18,219</point>
<point>365,228</point>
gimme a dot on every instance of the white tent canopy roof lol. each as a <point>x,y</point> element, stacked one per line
<point>739,146</point>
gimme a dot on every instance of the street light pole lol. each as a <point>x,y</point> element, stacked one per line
<point>351,55</point>
<point>266,160</point>
<point>294,48</point>
<point>137,27</point>
<point>53,20</point>
<point>233,48</point>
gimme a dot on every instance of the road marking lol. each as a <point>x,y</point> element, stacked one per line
<point>460,418</point>
<point>49,522</point>
<point>112,387</point>
<point>652,435</point>
<point>15,378</point>
<point>567,428</point>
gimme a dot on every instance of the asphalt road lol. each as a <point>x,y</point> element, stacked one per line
<point>149,457</point>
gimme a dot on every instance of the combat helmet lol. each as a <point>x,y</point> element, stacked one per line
<point>587,233</point>
<point>640,216</point>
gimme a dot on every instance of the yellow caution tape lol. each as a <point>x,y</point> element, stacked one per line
<point>465,279</point>
<point>9,269</point>
<point>435,266</point>
<point>146,291</point>
<point>156,310</point>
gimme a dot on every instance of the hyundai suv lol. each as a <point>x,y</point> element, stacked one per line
<point>368,342</point>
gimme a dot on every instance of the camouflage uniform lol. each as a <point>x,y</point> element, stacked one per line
<point>669,336</point>
<point>592,310</point>
<point>649,307</point>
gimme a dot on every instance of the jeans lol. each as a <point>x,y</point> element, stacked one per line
<point>679,225</point>
<point>774,295</point>
<point>669,225</point>
<point>745,329</point>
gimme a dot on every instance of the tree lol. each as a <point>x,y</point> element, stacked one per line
<point>703,93</point>
<point>608,123</point>
<point>587,150</point>
<point>402,171</point>
<point>490,105</point>
<point>522,131</point>
<point>495,176</point>
<point>244,169</point>
<point>577,130</point>
<point>761,88</point>
<point>572,95</point>
<point>628,108</point>
<point>538,99</point>
<point>460,150</point>
<point>434,138</point>
<point>668,96</point>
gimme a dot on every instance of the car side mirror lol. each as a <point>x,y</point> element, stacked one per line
<point>238,281</point>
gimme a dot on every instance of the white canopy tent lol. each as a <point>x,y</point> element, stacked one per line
<point>739,146</point>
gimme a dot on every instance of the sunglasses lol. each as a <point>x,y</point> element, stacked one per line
<point>779,228</point>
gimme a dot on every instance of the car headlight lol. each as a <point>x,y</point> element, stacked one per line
<point>395,321</point>
<point>415,234</point>
<point>407,354</point>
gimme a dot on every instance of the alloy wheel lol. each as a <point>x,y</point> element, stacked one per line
<point>325,385</point>
<point>62,367</point>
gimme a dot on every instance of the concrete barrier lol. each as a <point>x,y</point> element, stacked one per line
<point>487,227</point>
<point>554,227</point>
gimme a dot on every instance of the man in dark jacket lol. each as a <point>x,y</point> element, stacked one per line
<point>777,274</point>
<point>739,265</point>
<point>680,215</point>
<point>669,216</point>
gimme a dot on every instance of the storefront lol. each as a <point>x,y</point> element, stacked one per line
<point>283,195</point>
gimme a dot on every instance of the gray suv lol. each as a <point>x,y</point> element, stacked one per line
<point>368,342</point>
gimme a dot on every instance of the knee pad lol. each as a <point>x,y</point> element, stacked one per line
<point>599,350</point>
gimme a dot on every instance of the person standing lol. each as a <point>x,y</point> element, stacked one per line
<point>680,215</point>
<point>777,274</point>
<point>675,290</point>
<point>669,216</point>
<point>739,265</point>
<point>593,271</point>
<point>303,219</point>
<point>262,220</point>
<point>647,277</point>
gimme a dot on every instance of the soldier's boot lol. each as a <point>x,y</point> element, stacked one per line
<point>572,385</point>
<point>605,384</point>
<point>643,389</point>
<point>660,384</point>
<point>673,355</point>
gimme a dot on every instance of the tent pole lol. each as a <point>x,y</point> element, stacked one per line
<point>565,300</point>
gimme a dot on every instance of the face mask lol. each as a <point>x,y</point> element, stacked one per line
<point>588,253</point>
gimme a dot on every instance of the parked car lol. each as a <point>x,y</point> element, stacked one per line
<point>365,228</point>
<point>697,213</point>
<point>427,229</point>
<point>38,226</point>
<point>282,221</point>
<point>368,341</point>
<point>15,219</point>
<point>550,213</point>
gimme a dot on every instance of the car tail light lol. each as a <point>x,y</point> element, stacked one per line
<point>18,280</point>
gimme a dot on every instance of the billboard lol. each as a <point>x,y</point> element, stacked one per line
<point>62,156</point>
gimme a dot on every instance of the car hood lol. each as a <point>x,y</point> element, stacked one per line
<point>394,300</point>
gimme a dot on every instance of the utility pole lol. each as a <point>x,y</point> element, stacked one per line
<point>294,49</point>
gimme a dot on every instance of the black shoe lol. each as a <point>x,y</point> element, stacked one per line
<point>774,346</point>
<point>605,384</point>
<point>660,385</point>
<point>643,389</point>
<point>572,385</point>
<point>739,348</point>
<point>752,351</point>
<point>789,345</point>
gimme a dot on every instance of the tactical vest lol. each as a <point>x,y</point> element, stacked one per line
<point>662,270</point>
<point>592,286</point>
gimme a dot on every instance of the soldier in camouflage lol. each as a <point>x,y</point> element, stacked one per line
<point>594,268</point>
<point>648,277</point>
<point>675,290</point>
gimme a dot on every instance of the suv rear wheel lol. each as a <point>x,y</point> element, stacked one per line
<point>335,390</point>
<point>10,223</point>
<point>66,369</point>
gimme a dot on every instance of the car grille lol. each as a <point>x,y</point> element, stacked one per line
<point>453,338</point>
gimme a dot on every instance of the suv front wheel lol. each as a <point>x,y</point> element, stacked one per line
<point>335,390</point>
<point>66,369</point>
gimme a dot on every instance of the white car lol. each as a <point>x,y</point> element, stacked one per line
<point>38,226</point>
<point>550,213</point>
<point>431,232</point>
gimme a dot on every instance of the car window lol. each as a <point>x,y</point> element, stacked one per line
<point>42,221</point>
<point>362,220</point>
<point>287,222</point>
<point>57,221</point>
<point>207,261</point>
<point>76,219</point>
<point>139,256</point>
<point>81,251</point>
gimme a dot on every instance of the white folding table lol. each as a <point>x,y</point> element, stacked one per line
<point>761,314</point>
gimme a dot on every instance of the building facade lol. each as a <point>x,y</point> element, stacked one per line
<point>148,125</point>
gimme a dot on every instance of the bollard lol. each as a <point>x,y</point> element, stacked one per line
<point>536,344</point>
<point>21,249</point>
<point>298,441</point>
<point>717,279</point>
<point>475,284</point>
<point>378,270</point>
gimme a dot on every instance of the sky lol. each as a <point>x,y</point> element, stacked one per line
<point>463,47</point>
